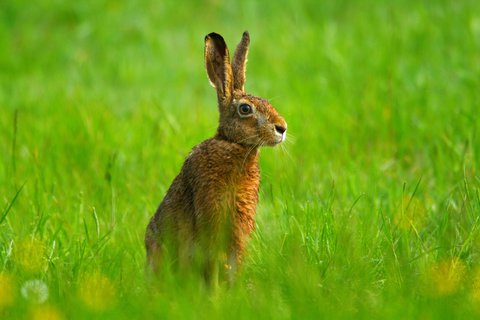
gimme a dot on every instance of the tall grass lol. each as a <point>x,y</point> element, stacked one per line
<point>371,209</point>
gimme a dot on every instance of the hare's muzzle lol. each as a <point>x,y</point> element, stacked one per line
<point>280,129</point>
<point>280,132</point>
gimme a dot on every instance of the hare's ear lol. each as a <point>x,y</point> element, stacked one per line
<point>239,63</point>
<point>219,70</point>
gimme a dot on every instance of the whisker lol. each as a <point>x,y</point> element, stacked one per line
<point>291,137</point>
<point>247,138</point>
<point>248,153</point>
<point>288,142</point>
<point>284,149</point>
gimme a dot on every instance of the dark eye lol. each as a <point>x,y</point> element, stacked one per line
<point>244,109</point>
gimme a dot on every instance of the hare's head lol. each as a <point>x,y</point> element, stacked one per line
<point>244,118</point>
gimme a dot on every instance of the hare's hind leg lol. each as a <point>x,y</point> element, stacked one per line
<point>153,255</point>
<point>184,247</point>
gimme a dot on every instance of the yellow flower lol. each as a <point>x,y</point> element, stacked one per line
<point>30,255</point>
<point>446,277</point>
<point>97,292</point>
<point>7,292</point>
<point>45,312</point>
<point>475,290</point>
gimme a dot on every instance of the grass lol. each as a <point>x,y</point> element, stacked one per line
<point>371,210</point>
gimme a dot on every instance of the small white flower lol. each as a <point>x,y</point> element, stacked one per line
<point>35,291</point>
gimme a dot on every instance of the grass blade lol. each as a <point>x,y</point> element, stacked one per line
<point>7,210</point>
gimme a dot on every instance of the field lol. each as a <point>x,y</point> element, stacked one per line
<point>371,208</point>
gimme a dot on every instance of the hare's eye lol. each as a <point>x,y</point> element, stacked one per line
<point>244,109</point>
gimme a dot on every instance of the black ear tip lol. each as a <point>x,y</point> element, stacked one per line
<point>214,36</point>
<point>246,38</point>
<point>217,41</point>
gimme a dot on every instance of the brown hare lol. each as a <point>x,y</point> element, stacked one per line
<point>208,211</point>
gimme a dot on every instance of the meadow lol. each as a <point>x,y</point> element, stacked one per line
<point>369,210</point>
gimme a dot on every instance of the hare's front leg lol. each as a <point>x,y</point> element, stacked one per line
<point>211,240</point>
<point>236,249</point>
<point>209,254</point>
<point>232,265</point>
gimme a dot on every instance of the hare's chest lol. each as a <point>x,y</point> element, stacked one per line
<point>246,198</point>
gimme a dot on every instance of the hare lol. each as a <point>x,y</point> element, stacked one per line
<point>208,212</point>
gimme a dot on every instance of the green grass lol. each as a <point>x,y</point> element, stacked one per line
<point>372,209</point>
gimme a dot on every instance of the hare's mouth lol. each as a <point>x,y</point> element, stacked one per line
<point>277,139</point>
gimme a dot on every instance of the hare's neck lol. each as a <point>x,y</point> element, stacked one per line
<point>249,156</point>
<point>246,155</point>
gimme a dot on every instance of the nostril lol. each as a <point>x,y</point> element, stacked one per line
<point>280,129</point>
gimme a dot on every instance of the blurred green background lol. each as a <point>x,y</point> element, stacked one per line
<point>371,208</point>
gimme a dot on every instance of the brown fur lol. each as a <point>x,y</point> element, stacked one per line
<point>208,211</point>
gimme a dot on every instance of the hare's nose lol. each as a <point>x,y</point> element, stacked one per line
<point>280,129</point>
